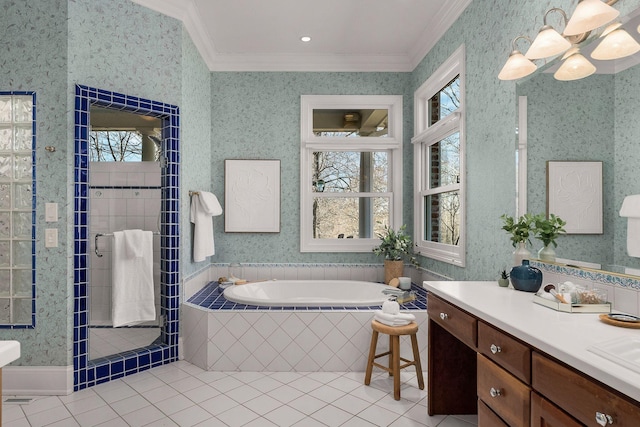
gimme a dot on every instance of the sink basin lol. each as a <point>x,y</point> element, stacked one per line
<point>9,351</point>
<point>624,351</point>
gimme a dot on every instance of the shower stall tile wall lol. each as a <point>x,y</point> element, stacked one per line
<point>123,196</point>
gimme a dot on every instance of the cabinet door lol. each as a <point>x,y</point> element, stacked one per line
<point>545,414</point>
<point>586,400</point>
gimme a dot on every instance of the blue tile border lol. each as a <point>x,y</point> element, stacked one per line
<point>87,372</point>
<point>211,297</point>
<point>621,280</point>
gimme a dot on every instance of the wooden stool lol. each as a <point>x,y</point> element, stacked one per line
<point>394,367</point>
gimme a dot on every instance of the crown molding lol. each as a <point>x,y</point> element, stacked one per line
<point>450,12</point>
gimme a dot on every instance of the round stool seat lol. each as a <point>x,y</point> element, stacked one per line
<point>409,329</point>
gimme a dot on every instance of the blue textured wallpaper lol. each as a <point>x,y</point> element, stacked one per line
<point>257,116</point>
<point>34,58</point>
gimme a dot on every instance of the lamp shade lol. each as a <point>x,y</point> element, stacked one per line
<point>589,15</point>
<point>547,43</point>
<point>517,66</point>
<point>616,44</point>
<point>574,67</point>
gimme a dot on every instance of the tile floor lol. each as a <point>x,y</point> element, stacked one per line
<point>181,394</point>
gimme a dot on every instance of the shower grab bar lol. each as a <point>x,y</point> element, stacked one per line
<point>95,240</point>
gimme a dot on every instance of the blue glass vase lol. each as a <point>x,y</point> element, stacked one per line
<point>526,278</point>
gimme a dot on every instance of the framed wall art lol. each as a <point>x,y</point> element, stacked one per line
<point>252,196</point>
<point>574,193</point>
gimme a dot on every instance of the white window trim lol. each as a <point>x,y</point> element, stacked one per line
<point>424,136</point>
<point>310,143</point>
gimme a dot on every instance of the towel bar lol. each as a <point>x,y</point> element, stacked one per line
<point>95,241</point>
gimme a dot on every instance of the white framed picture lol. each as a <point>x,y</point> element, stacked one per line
<point>252,196</point>
<point>574,193</point>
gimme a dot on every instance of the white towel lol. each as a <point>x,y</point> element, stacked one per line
<point>134,243</point>
<point>399,319</point>
<point>132,280</point>
<point>203,207</point>
<point>631,210</point>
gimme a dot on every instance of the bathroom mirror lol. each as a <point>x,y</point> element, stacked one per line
<point>595,118</point>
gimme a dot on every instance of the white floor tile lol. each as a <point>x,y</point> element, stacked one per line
<point>181,394</point>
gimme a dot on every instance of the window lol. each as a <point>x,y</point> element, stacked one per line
<point>351,171</point>
<point>17,202</point>
<point>439,163</point>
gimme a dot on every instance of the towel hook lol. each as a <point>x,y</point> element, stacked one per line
<point>193,193</point>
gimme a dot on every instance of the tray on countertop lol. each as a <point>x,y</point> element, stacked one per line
<point>573,308</point>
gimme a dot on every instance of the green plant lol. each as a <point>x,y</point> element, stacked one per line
<point>395,245</point>
<point>504,274</point>
<point>548,229</point>
<point>520,230</point>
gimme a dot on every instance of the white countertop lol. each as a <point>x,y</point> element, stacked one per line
<point>565,336</point>
<point>9,351</point>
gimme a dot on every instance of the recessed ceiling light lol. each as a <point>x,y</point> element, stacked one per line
<point>305,39</point>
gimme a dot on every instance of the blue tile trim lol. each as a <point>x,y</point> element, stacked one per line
<point>31,325</point>
<point>87,372</point>
<point>621,280</point>
<point>211,297</point>
<point>125,187</point>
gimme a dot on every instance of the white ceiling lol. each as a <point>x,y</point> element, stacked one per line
<point>347,35</point>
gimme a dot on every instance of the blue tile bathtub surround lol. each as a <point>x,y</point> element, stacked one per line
<point>211,297</point>
<point>91,372</point>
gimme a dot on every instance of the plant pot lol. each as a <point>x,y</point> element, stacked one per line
<point>526,278</point>
<point>392,269</point>
<point>503,283</point>
<point>521,253</point>
<point>547,253</point>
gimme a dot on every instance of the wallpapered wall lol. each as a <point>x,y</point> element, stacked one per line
<point>51,45</point>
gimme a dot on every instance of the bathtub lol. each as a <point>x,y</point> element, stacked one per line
<point>297,293</point>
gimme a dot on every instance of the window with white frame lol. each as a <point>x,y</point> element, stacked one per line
<point>438,148</point>
<point>350,171</point>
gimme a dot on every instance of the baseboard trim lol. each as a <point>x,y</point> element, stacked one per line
<point>37,380</point>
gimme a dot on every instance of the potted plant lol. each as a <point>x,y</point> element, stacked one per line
<point>395,246</point>
<point>503,281</point>
<point>548,230</point>
<point>520,230</point>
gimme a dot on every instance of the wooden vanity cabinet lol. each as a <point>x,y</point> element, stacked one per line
<point>475,367</point>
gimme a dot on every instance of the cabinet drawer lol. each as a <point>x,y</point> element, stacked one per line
<point>462,325</point>
<point>581,396</point>
<point>486,417</point>
<point>506,351</point>
<point>544,413</point>
<point>503,393</point>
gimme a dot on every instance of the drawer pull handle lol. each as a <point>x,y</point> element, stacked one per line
<point>495,349</point>
<point>444,316</point>
<point>603,419</point>
<point>495,392</point>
